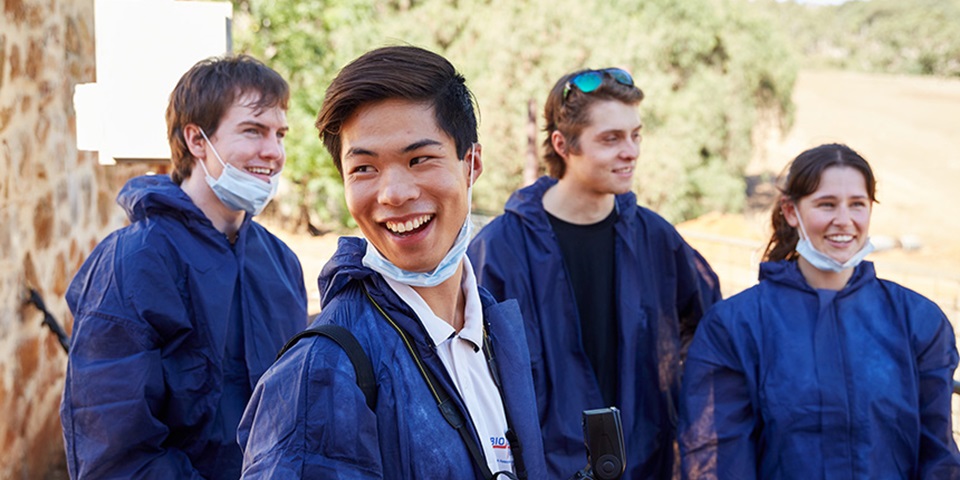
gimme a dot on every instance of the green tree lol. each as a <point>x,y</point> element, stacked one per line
<point>708,68</point>
<point>298,39</point>
<point>920,37</point>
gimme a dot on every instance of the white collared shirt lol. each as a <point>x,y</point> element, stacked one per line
<point>462,355</point>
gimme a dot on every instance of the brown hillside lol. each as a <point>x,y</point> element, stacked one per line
<point>908,128</point>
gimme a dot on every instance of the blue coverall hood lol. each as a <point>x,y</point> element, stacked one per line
<point>784,381</point>
<point>308,418</point>
<point>173,326</point>
<point>663,286</point>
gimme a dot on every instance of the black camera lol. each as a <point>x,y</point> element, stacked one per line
<point>603,436</point>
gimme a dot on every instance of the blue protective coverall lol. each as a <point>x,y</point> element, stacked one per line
<point>151,391</point>
<point>663,287</point>
<point>308,418</point>
<point>783,381</point>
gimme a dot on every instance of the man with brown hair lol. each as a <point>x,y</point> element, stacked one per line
<point>610,292</point>
<point>178,314</point>
<point>454,398</point>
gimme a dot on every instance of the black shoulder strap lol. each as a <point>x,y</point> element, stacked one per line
<point>449,410</point>
<point>362,367</point>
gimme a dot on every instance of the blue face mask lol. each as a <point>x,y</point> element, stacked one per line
<point>824,262</point>
<point>238,190</point>
<point>444,270</point>
<point>374,260</point>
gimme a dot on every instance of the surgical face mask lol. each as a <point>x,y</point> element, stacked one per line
<point>374,260</point>
<point>824,262</point>
<point>238,190</point>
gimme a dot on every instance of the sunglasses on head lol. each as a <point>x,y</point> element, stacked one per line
<point>591,80</point>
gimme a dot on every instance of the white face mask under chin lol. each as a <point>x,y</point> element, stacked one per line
<point>375,261</point>
<point>824,262</point>
<point>238,190</point>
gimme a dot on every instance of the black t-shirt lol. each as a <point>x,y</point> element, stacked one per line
<point>588,254</point>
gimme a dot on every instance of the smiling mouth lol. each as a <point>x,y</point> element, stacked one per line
<point>623,170</point>
<point>260,171</point>
<point>840,238</point>
<point>410,226</point>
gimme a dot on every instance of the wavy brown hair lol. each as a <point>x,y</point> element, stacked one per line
<point>205,93</point>
<point>802,178</point>
<point>571,115</point>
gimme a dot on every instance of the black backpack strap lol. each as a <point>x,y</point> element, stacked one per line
<point>448,409</point>
<point>362,367</point>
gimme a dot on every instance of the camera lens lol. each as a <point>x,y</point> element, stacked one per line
<point>607,467</point>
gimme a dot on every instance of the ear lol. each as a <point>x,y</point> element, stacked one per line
<point>560,143</point>
<point>473,155</point>
<point>194,140</point>
<point>789,211</point>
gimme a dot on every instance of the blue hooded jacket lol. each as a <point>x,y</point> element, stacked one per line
<point>663,286</point>
<point>173,326</point>
<point>784,381</point>
<point>308,418</point>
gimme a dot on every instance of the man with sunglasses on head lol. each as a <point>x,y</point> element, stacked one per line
<point>452,397</point>
<point>610,292</point>
<point>177,315</point>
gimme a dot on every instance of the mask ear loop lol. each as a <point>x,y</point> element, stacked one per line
<point>212,148</point>
<point>802,230</point>
<point>473,156</point>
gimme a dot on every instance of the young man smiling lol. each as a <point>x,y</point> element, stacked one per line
<point>454,398</point>
<point>177,315</point>
<point>610,292</point>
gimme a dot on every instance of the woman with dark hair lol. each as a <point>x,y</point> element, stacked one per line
<point>822,370</point>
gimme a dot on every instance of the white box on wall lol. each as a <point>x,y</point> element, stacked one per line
<point>142,49</point>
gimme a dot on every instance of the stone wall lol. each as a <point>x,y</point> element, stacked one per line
<point>55,205</point>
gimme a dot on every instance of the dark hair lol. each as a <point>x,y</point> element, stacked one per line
<point>803,178</point>
<point>205,93</point>
<point>571,115</point>
<point>404,72</point>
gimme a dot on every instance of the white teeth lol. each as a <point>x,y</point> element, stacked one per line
<point>840,238</point>
<point>409,225</point>
<point>259,170</point>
